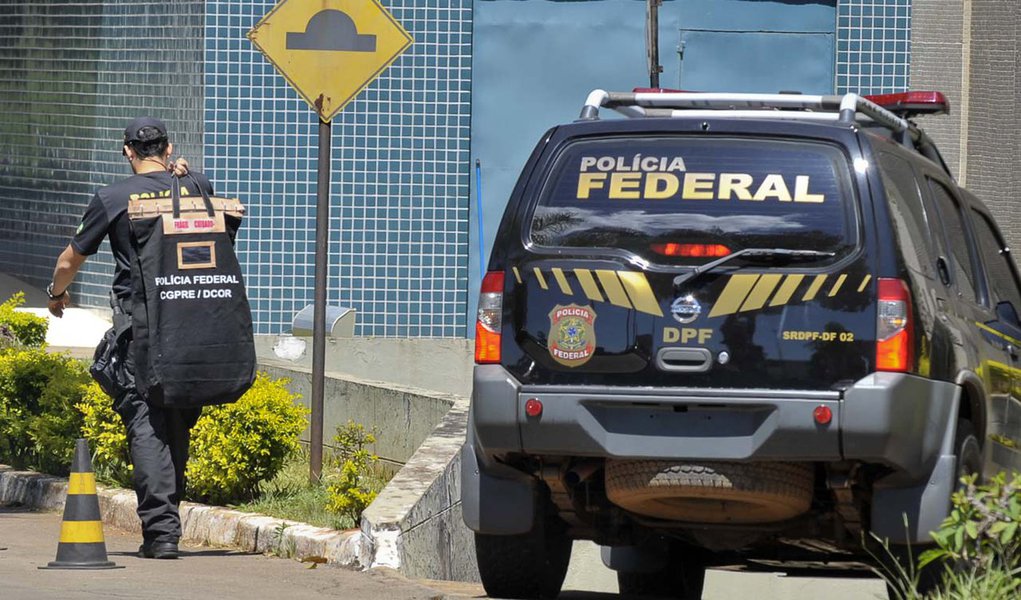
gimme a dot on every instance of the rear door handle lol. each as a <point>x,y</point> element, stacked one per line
<point>684,360</point>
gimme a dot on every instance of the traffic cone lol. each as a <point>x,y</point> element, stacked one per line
<point>81,533</point>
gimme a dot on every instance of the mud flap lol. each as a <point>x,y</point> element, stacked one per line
<point>924,506</point>
<point>495,498</point>
<point>910,513</point>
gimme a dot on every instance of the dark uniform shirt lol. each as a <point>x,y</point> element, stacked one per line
<point>106,216</point>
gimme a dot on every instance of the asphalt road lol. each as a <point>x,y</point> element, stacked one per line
<point>28,540</point>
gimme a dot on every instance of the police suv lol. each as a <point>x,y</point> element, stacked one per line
<point>734,325</point>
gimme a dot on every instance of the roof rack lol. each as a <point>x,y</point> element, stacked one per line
<point>844,109</point>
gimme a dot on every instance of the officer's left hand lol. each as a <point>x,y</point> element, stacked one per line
<point>178,167</point>
<point>57,306</point>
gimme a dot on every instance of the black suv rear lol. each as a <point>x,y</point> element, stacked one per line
<point>749,324</point>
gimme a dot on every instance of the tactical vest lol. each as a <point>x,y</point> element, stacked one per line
<point>191,322</point>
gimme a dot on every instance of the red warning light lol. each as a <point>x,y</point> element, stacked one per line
<point>533,408</point>
<point>822,414</point>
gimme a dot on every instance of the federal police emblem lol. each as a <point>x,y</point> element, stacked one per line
<point>572,335</point>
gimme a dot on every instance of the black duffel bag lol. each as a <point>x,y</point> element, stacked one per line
<point>191,321</point>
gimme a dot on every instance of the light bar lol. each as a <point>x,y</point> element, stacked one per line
<point>913,103</point>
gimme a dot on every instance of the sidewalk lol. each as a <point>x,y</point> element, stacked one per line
<point>77,332</point>
<point>29,540</point>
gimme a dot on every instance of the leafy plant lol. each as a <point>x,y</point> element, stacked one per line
<point>351,489</point>
<point>38,422</point>
<point>236,446</point>
<point>977,553</point>
<point>981,531</point>
<point>27,329</point>
<point>106,435</point>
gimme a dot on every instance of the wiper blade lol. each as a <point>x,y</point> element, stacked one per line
<point>769,255</point>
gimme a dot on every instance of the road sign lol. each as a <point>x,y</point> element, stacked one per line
<point>329,50</point>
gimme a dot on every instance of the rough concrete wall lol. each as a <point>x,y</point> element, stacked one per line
<point>937,63</point>
<point>439,364</point>
<point>404,417</point>
<point>969,50</point>
<point>992,135</point>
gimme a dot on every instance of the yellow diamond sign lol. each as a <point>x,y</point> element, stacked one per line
<point>329,50</point>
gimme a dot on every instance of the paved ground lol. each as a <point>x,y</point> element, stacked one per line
<point>28,540</point>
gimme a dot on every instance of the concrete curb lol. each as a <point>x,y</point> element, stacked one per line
<point>415,524</point>
<point>205,525</point>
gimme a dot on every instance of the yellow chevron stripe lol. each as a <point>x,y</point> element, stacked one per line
<point>864,282</point>
<point>542,280</point>
<point>588,285</point>
<point>814,288</point>
<point>614,291</point>
<point>81,532</point>
<point>81,483</point>
<point>733,295</point>
<point>998,334</point>
<point>760,293</point>
<point>787,288</point>
<point>836,286</point>
<point>565,287</point>
<point>517,274</point>
<point>637,287</point>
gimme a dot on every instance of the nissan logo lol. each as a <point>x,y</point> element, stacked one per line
<point>686,309</point>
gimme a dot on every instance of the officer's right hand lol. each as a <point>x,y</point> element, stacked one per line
<point>178,167</point>
<point>56,307</point>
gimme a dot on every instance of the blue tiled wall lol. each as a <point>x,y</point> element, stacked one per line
<point>72,75</point>
<point>401,167</point>
<point>399,243</point>
<point>873,46</point>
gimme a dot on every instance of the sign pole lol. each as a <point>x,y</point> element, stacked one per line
<point>319,316</point>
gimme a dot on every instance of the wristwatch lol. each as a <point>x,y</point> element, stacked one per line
<point>49,292</point>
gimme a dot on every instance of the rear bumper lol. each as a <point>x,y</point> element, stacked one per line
<point>895,419</point>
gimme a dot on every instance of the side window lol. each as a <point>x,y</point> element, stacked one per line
<point>957,239</point>
<point>1003,279</point>
<point>907,212</point>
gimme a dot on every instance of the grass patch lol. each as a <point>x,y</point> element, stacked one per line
<point>291,496</point>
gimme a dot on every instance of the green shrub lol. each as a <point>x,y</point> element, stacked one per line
<point>107,437</point>
<point>7,339</point>
<point>236,446</point>
<point>27,329</point>
<point>978,549</point>
<point>38,422</point>
<point>982,529</point>
<point>351,489</point>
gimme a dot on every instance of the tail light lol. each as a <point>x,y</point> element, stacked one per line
<point>894,327</point>
<point>489,323</point>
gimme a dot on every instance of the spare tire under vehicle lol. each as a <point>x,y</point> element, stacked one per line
<point>711,492</point>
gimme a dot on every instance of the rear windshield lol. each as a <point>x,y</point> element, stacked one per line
<point>689,200</point>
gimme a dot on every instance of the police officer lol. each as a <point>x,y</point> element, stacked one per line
<point>157,436</point>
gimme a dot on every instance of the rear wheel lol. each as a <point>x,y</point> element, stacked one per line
<point>526,566</point>
<point>683,577</point>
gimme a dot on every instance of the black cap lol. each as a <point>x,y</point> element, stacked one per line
<point>131,132</point>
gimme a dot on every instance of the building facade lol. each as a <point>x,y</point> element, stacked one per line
<point>481,82</point>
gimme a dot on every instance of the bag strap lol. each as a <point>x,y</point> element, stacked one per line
<point>175,197</point>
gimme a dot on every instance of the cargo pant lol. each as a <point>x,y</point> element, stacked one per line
<point>158,442</point>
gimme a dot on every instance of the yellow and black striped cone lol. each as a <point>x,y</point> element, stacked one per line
<point>81,534</point>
